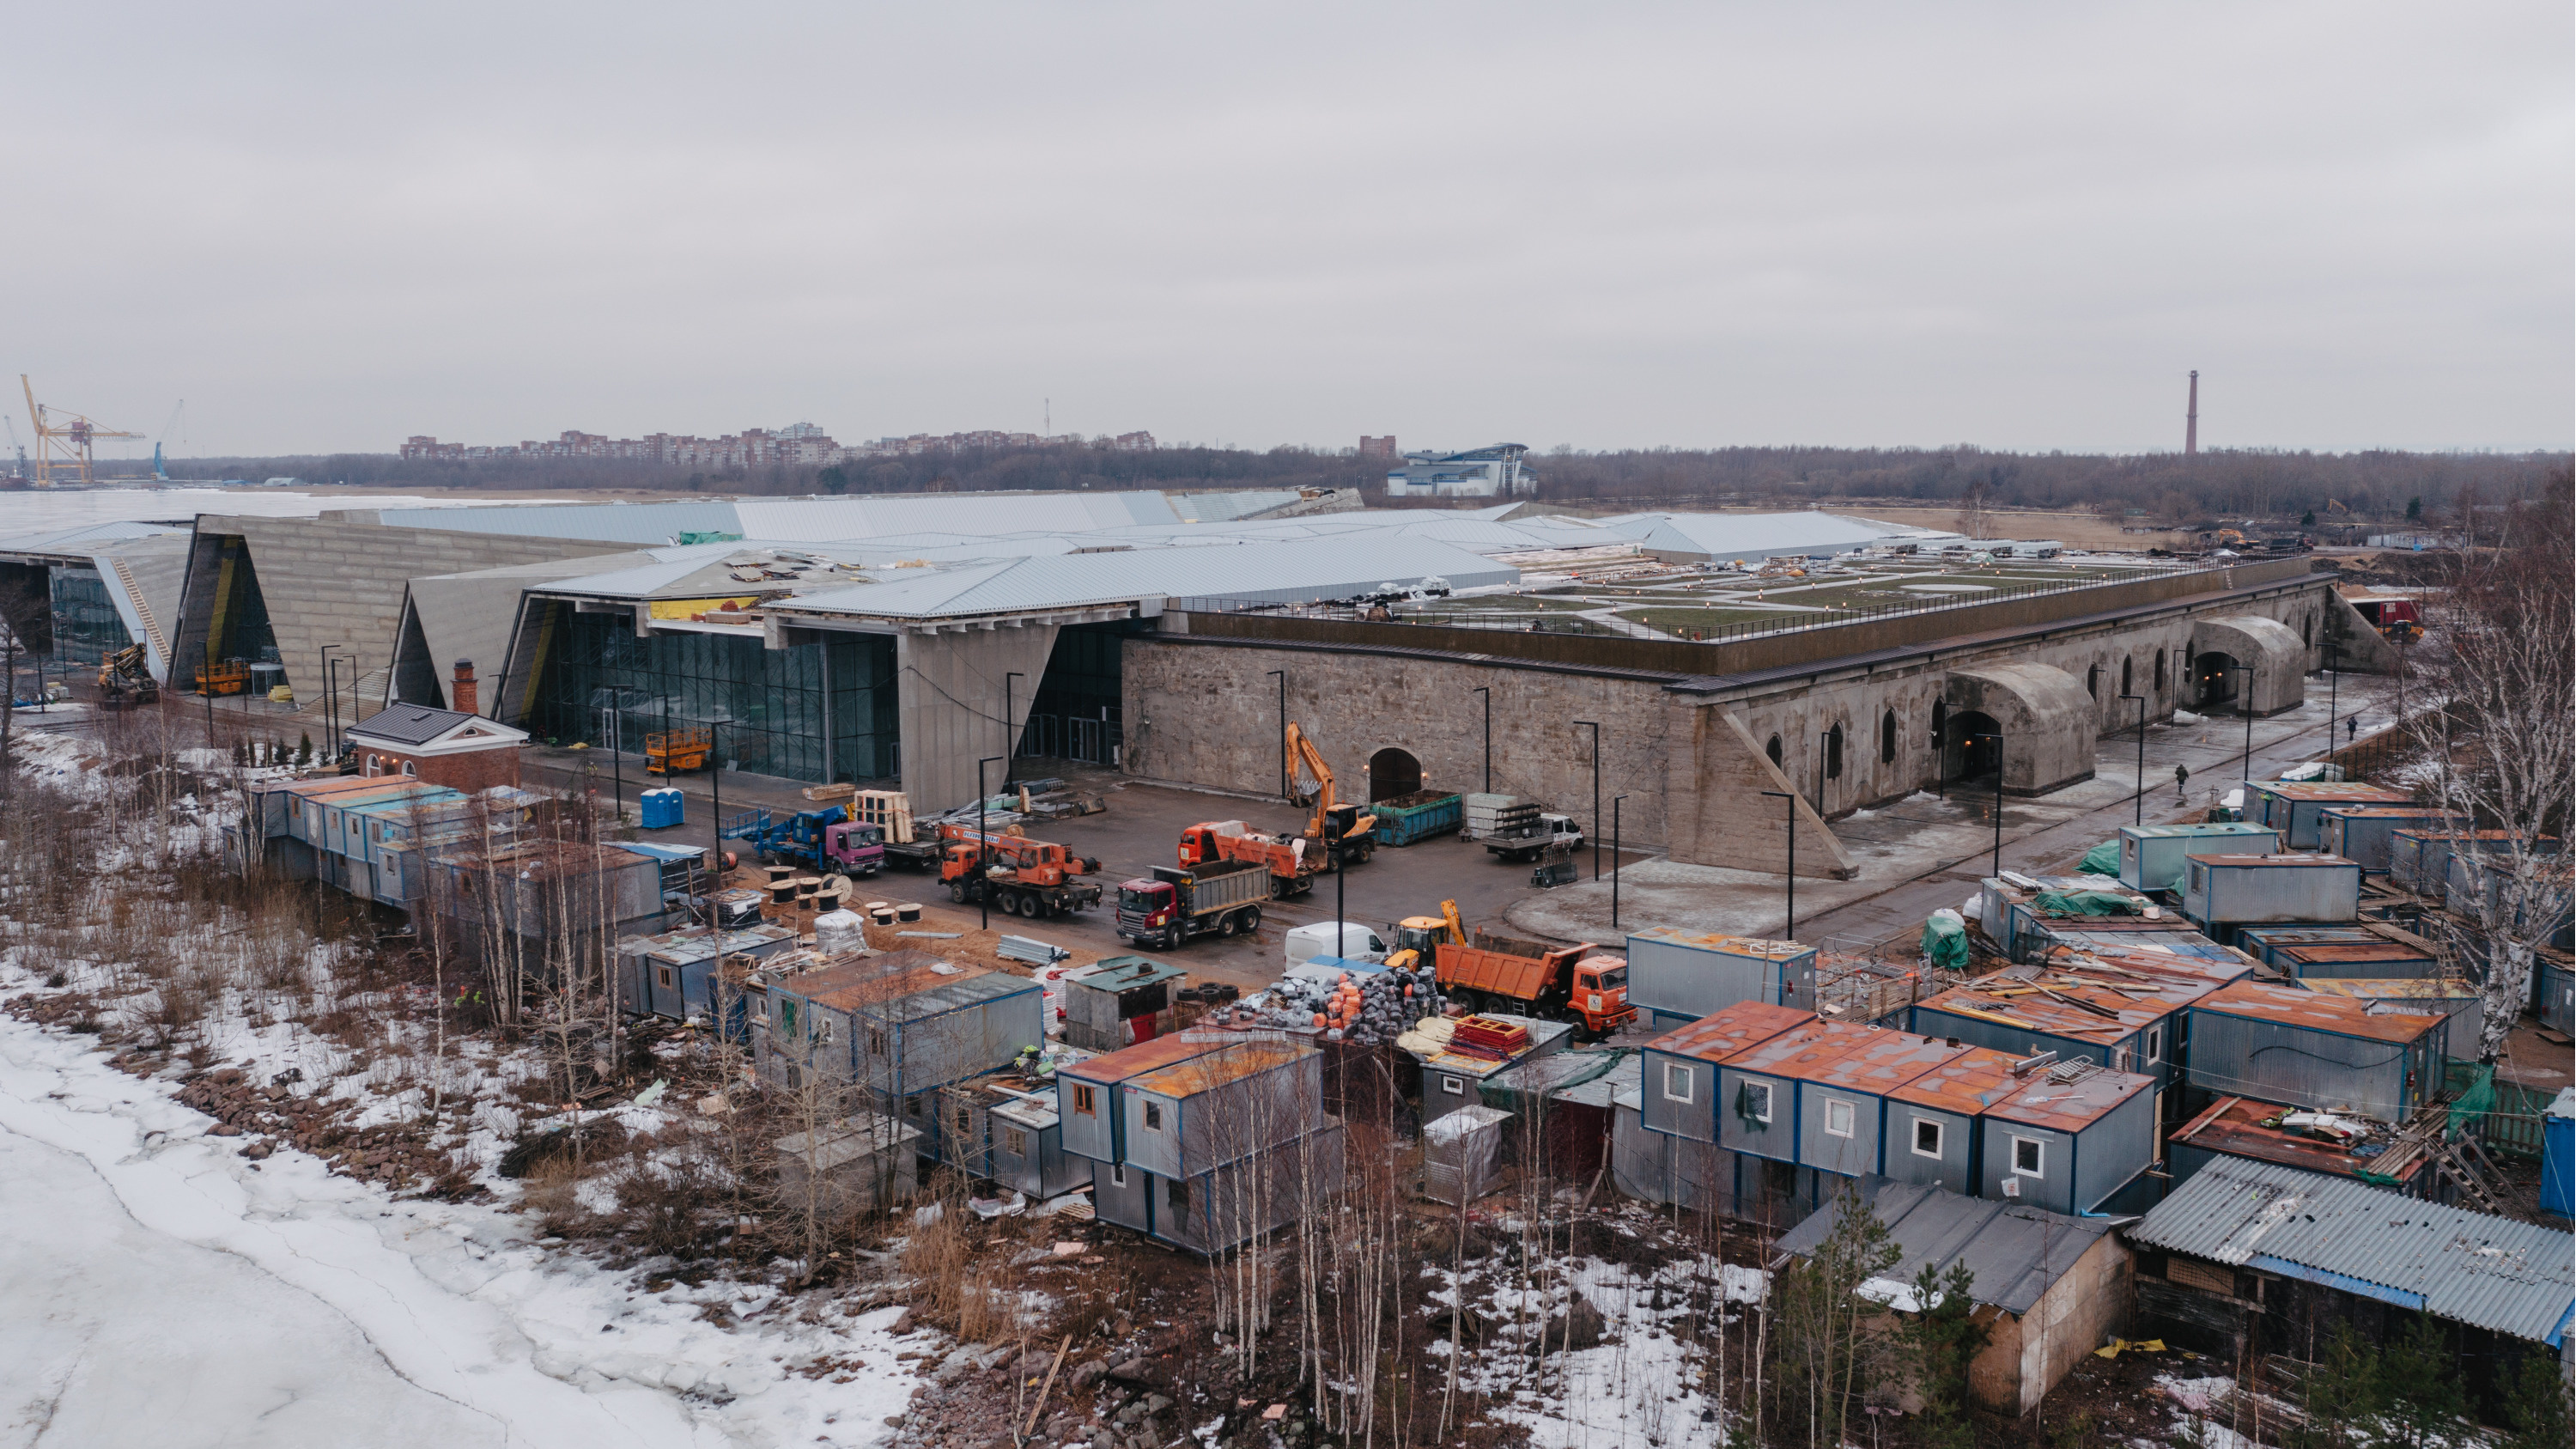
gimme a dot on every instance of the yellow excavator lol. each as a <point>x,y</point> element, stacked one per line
<point>125,679</point>
<point>1342,832</point>
<point>1418,938</point>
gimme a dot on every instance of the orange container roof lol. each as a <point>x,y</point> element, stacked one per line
<point>1721,1034</point>
<point>2316,1011</point>
<point>1966,1084</point>
<point>2042,1101</point>
<point>1803,1051</point>
<point>1880,1066</point>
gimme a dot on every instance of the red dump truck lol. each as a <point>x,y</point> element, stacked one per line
<point>1221,897</point>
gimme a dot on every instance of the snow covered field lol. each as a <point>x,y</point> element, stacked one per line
<point>162,1290</point>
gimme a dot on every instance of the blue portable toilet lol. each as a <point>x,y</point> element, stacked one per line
<point>2558,1155</point>
<point>662,808</point>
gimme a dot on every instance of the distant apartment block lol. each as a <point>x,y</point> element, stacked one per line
<point>1377,447</point>
<point>1490,472</point>
<point>798,443</point>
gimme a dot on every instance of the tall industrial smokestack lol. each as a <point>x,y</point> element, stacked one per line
<point>2191,418</point>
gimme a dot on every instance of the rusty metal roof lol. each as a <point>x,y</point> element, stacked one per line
<point>2392,812</point>
<point>2043,1101</point>
<point>2315,1011</point>
<point>1882,1065</point>
<point>2332,790</point>
<point>2347,952</point>
<point>1207,1071</point>
<point>1721,1034</point>
<point>1754,946</point>
<point>2049,1017</point>
<point>1802,1051</point>
<point>1146,1056</point>
<point>2468,1267</point>
<point>2392,988</point>
<point>2277,862</point>
<point>1966,1084</point>
<point>2234,1126</point>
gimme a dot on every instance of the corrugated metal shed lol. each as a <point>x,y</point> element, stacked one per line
<point>2015,1253</point>
<point>2291,1006</point>
<point>2468,1267</point>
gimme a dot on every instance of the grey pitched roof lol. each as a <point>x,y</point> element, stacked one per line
<point>2469,1267</point>
<point>409,724</point>
<point>2015,1252</point>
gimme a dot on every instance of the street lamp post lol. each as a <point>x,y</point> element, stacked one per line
<point>2139,815</point>
<point>1488,693</point>
<point>2245,707</point>
<point>1614,860</point>
<point>2334,681</point>
<point>1282,676</point>
<point>715,810</point>
<point>327,715</point>
<point>983,881</point>
<point>1790,931</point>
<point>1595,727</point>
<point>1010,727</point>
<point>613,724</point>
<point>1998,738</point>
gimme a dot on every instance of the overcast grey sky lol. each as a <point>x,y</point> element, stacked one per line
<point>329,227</point>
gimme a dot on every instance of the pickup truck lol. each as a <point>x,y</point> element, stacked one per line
<point>1542,834</point>
<point>1173,905</point>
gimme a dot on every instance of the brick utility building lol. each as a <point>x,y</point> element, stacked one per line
<point>453,747</point>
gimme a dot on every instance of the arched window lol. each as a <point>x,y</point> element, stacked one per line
<point>408,770</point>
<point>1887,738</point>
<point>2127,668</point>
<point>373,765</point>
<point>2308,631</point>
<point>1834,752</point>
<point>2160,671</point>
<point>2093,681</point>
<point>1773,749</point>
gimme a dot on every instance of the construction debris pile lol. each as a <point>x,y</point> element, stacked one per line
<point>1364,1010</point>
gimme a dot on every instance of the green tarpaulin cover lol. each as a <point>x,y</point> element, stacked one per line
<point>1945,940</point>
<point>2086,903</point>
<point>2103,859</point>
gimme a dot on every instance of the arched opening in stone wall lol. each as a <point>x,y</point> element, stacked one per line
<point>1834,752</point>
<point>2214,679</point>
<point>1975,745</point>
<point>2093,681</point>
<point>2128,669</point>
<point>1887,738</point>
<point>1393,772</point>
<point>2160,671</point>
<point>1773,749</point>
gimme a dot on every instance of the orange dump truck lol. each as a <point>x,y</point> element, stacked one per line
<point>1577,984</point>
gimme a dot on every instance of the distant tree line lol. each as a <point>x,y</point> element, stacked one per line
<point>2166,487</point>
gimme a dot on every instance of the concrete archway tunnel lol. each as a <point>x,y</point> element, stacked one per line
<point>2043,715</point>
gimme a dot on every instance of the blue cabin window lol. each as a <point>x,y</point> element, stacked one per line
<point>1677,1082</point>
<point>1927,1137</point>
<point>1840,1118</point>
<point>1753,1102</point>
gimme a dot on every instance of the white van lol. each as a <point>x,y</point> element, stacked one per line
<point>1347,939</point>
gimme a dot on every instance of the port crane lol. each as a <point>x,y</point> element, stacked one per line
<point>63,447</point>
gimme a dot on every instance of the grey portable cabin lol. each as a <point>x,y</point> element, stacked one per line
<point>2297,808</point>
<point>1185,1120</point>
<point>1678,1072</point>
<point>1228,1206</point>
<point>1758,1097</point>
<point>2481,890</point>
<point>1676,977</point>
<point>1003,1126</point>
<point>1932,1135</point>
<point>2010,913</point>
<point>1026,1149</point>
<point>1656,1167</point>
<point>904,1025</point>
<point>1462,1154</point>
<point>1453,1079</point>
<point>673,975</point>
<point>2366,833</point>
<point>2293,949</point>
<point>1842,1102</point>
<point>2223,892</point>
<point>2121,1030</point>
<point>2314,1050</point>
<point>1104,1000</point>
<point>2462,1001</point>
<point>857,1164</point>
<point>2151,855</point>
<point>2553,983</point>
<point>2070,1138</point>
<point>1088,1106</point>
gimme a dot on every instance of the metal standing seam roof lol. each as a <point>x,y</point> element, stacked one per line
<point>2313,1011</point>
<point>2014,1253</point>
<point>1881,1066</point>
<point>1798,1054</point>
<point>1721,1034</point>
<point>2468,1267</point>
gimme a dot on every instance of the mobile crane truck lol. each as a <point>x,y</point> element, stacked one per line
<point>1024,877</point>
<point>1578,984</point>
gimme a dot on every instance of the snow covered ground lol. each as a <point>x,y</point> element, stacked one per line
<point>163,1290</point>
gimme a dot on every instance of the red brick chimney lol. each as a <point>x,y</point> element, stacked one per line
<point>461,689</point>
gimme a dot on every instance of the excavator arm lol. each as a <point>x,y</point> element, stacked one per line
<point>1304,759</point>
<point>1457,927</point>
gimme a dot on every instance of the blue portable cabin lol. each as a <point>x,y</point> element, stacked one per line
<point>903,1025</point>
<point>673,975</point>
<point>2482,886</point>
<point>1843,1104</point>
<point>2297,808</point>
<point>2121,1030</point>
<point>2151,855</point>
<point>2315,1051</point>
<point>2222,892</point>
<point>1676,977</point>
<point>2071,1138</point>
<point>2462,1001</point>
<point>1678,1071</point>
<point>2558,1155</point>
<point>1758,1101</point>
<point>1454,1079</point>
<point>2367,833</point>
<point>1200,1132</point>
<point>1932,1131</point>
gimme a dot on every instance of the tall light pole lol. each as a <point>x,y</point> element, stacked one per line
<point>1615,801</point>
<point>983,882</point>
<point>2334,679</point>
<point>1488,693</point>
<point>1010,727</point>
<point>1998,738</point>
<point>612,717</point>
<point>2245,707</point>
<point>1282,676</point>
<point>1789,932</point>
<point>2140,813</point>
<point>327,705</point>
<point>1595,727</point>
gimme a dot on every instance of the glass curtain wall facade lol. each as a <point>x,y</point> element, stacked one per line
<point>86,628</point>
<point>822,709</point>
<point>1077,712</point>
